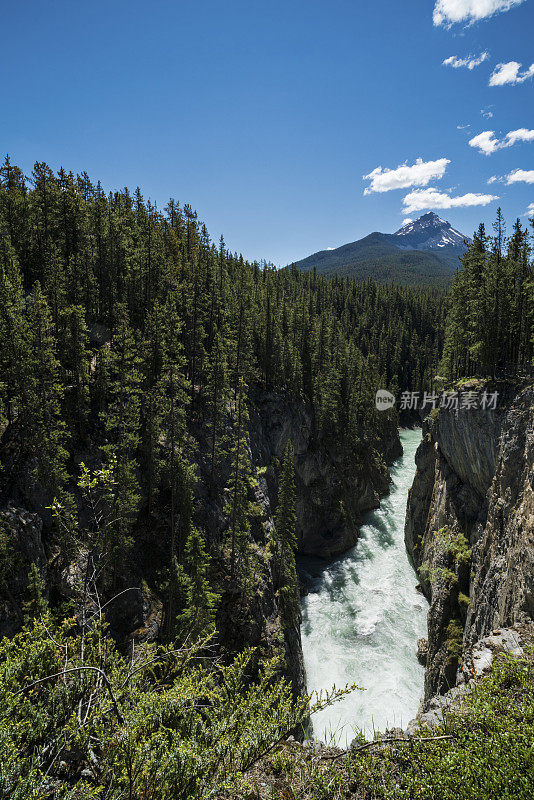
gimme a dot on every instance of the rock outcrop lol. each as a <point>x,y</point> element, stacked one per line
<point>477,663</point>
<point>470,526</point>
<point>333,492</point>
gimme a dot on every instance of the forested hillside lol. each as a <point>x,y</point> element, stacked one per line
<point>133,352</point>
<point>375,256</point>
<point>424,252</point>
<point>120,321</point>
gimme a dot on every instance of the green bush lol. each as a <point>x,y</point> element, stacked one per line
<point>454,640</point>
<point>456,544</point>
<point>167,724</point>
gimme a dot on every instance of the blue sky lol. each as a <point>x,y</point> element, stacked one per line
<point>266,116</point>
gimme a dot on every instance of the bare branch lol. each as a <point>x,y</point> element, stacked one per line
<point>388,739</point>
<point>129,589</point>
<point>100,672</point>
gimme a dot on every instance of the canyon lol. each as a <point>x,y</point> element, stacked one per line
<point>469,532</point>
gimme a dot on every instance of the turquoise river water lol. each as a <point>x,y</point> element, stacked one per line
<point>362,619</point>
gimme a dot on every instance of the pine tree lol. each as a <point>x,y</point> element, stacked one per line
<point>43,427</point>
<point>75,358</point>
<point>198,614</point>
<point>14,352</point>
<point>240,482</point>
<point>122,420</point>
<point>153,359</point>
<point>217,393</point>
<point>475,263</point>
<point>285,537</point>
<point>177,472</point>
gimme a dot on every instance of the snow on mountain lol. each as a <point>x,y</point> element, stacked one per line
<point>428,233</point>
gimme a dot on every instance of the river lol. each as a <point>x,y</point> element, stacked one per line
<point>362,619</point>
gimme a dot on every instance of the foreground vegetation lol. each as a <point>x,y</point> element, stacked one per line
<point>481,751</point>
<point>81,721</point>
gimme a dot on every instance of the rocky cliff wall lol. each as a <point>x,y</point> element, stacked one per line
<point>333,489</point>
<point>470,526</point>
<point>22,532</point>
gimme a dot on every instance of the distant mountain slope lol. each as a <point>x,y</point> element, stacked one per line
<point>423,251</point>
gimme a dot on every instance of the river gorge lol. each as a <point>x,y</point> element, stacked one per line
<point>362,618</point>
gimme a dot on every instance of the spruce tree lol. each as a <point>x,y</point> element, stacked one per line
<point>122,421</point>
<point>198,614</point>
<point>240,475</point>
<point>44,429</point>
<point>177,472</point>
<point>217,393</point>
<point>285,536</point>
<point>75,358</point>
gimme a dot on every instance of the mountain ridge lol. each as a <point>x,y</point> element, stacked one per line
<point>425,250</point>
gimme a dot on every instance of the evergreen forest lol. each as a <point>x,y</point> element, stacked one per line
<point>490,326</point>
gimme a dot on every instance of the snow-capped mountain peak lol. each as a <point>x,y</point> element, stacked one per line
<point>429,232</point>
<point>425,250</point>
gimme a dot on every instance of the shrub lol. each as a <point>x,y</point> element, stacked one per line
<point>454,640</point>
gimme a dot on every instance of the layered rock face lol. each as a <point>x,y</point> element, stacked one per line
<point>470,526</point>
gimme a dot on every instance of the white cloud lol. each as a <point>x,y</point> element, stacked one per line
<point>520,135</point>
<point>463,127</point>
<point>419,174</point>
<point>447,12</point>
<point>470,62</point>
<point>487,143</point>
<point>407,221</point>
<point>516,176</point>
<point>530,211</point>
<point>486,113</point>
<point>510,73</point>
<point>425,199</point>
<point>520,176</point>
